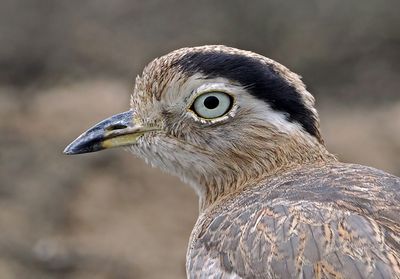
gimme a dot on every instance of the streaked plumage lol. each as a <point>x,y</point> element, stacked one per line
<point>274,203</point>
<point>318,221</point>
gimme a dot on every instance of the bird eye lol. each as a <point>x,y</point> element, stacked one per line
<point>212,104</point>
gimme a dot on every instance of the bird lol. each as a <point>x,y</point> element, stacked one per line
<point>243,131</point>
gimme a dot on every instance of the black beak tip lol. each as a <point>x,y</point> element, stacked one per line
<point>81,146</point>
<point>91,140</point>
<point>72,149</point>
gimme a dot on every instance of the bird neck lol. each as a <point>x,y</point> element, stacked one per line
<point>240,170</point>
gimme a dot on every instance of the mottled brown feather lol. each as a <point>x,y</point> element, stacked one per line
<point>274,203</point>
<point>318,221</point>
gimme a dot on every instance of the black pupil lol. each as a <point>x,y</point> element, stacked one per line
<point>211,102</point>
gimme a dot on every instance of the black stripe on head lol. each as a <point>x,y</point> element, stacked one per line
<point>260,79</point>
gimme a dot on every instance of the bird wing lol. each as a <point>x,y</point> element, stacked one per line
<point>335,222</point>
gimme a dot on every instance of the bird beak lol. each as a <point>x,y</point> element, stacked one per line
<point>118,130</point>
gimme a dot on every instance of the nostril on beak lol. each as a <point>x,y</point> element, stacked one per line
<point>116,127</point>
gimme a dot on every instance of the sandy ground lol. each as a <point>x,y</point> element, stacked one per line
<point>107,214</point>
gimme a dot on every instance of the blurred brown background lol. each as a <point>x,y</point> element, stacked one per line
<point>64,65</point>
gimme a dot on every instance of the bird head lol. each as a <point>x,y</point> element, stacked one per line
<point>217,117</point>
